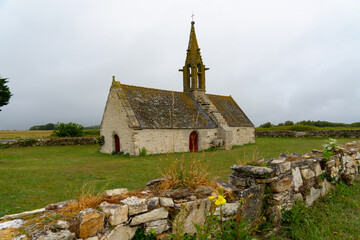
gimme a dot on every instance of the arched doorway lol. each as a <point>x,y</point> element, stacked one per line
<point>117,144</point>
<point>193,142</point>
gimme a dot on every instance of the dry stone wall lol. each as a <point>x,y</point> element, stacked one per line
<point>315,133</point>
<point>303,177</point>
<point>119,214</point>
<point>51,142</point>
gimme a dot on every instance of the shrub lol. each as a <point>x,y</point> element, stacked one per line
<point>266,125</point>
<point>100,140</point>
<point>68,130</point>
<point>301,128</point>
<point>289,123</point>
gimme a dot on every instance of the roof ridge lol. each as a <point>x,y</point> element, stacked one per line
<point>157,89</point>
<point>218,95</point>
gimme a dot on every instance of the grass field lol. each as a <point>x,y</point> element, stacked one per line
<point>6,134</point>
<point>336,216</point>
<point>289,128</point>
<point>17,134</point>
<point>31,177</point>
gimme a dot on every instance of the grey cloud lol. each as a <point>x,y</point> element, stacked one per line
<point>280,60</point>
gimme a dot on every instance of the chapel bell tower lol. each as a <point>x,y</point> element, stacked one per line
<point>194,69</point>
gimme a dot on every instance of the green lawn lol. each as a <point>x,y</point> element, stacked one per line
<point>336,216</point>
<point>32,177</point>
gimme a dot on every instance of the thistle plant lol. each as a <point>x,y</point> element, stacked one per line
<point>330,147</point>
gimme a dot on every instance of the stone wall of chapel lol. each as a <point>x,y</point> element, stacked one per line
<point>115,121</point>
<point>171,140</point>
<point>242,135</point>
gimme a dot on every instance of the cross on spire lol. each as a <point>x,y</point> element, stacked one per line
<point>192,16</point>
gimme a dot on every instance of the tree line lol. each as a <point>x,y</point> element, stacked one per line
<point>311,123</point>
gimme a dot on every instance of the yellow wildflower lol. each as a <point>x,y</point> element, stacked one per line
<point>211,198</point>
<point>251,195</point>
<point>220,201</point>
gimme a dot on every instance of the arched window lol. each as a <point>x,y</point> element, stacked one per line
<point>193,142</point>
<point>199,76</point>
<point>117,143</point>
<point>189,76</point>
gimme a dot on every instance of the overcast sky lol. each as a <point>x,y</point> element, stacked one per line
<point>280,60</point>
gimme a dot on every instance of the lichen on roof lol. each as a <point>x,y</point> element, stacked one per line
<point>156,108</point>
<point>229,109</point>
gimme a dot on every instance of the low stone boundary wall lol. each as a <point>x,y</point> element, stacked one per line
<point>314,133</point>
<point>303,177</point>
<point>268,189</point>
<point>50,142</point>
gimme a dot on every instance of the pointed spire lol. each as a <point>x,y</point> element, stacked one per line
<point>193,44</point>
<point>194,69</point>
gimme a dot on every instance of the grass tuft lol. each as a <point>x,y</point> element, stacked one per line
<point>86,198</point>
<point>182,173</point>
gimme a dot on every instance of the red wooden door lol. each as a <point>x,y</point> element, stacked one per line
<point>193,142</point>
<point>117,144</point>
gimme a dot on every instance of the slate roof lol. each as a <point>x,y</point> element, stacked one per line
<point>156,108</point>
<point>229,109</point>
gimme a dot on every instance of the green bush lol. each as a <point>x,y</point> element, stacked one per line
<point>68,130</point>
<point>266,125</point>
<point>301,128</point>
<point>289,123</point>
<point>100,140</point>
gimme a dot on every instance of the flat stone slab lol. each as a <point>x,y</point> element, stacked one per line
<point>157,214</point>
<point>11,224</point>
<point>155,181</point>
<point>23,214</point>
<point>115,192</point>
<point>254,171</point>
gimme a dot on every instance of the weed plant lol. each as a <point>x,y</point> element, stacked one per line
<point>215,227</point>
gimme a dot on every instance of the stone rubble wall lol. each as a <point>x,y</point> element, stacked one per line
<point>51,142</point>
<point>304,177</point>
<point>270,188</point>
<point>314,133</point>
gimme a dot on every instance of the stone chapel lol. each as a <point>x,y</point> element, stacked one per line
<point>165,121</point>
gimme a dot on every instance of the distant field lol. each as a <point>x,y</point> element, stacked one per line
<point>25,134</point>
<point>31,177</point>
<point>4,134</point>
<point>288,128</point>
